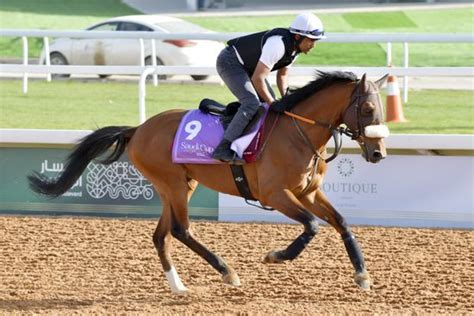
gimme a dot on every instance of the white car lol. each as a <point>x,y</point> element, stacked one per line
<point>102,51</point>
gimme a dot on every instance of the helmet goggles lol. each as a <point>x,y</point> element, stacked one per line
<point>314,34</point>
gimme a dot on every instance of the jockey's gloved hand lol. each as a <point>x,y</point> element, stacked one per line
<point>278,106</point>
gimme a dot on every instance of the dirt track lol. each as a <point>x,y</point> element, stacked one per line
<point>65,265</point>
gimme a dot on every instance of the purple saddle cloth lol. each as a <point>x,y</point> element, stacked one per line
<point>199,134</point>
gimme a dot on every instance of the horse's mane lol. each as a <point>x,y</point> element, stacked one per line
<point>323,80</point>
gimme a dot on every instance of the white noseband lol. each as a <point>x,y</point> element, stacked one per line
<point>376,131</point>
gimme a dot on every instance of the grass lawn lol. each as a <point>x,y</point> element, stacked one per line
<point>76,14</point>
<point>72,104</point>
<point>416,21</point>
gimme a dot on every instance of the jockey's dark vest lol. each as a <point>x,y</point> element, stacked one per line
<point>250,48</point>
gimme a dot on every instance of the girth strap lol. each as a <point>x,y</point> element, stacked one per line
<point>243,186</point>
<point>241,182</point>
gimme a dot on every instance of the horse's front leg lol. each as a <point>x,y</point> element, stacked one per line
<point>319,205</point>
<point>289,205</point>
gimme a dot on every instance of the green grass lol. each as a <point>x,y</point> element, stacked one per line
<point>76,14</point>
<point>437,112</point>
<point>426,21</point>
<point>388,20</point>
<point>72,104</point>
<point>372,54</point>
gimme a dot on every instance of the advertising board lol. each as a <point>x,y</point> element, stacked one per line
<point>117,189</point>
<point>402,190</point>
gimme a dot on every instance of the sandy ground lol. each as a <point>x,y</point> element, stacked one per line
<point>97,266</point>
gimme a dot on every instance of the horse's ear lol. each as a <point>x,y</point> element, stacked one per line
<point>379,83</point>
<point>363,84</point>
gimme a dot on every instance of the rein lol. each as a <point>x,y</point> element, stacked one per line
<point>335,131</point>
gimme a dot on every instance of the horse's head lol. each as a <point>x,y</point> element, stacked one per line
<point>364,119</point>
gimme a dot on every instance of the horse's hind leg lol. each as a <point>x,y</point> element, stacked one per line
<point>318,204</point>
<point>180,229</point>
<point>162,241</point>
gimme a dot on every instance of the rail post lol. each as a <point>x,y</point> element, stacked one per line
<point>153,61</point>
<point>142,52</point>
<point>24,39</point>
<point>142,93</point>
<point>47,58</point>
<point>405,78</point>
<point>389,54</point>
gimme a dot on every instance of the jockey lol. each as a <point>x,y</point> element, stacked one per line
<point>245,64</point>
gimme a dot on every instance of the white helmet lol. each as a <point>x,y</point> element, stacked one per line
<point>309,25</point>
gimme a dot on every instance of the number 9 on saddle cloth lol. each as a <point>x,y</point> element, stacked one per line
<point>200,131</point>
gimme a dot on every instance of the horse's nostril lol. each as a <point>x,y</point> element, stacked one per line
<point>377,155</point>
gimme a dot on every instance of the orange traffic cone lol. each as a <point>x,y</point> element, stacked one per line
<point>394,104</point>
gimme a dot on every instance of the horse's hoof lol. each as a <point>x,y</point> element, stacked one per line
<point>181,291</point>
<point>362,279</point>
<point>231,278</point>
<point>177,287</point>
<point>273,257</point>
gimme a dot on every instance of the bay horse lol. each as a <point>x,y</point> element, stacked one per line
<point>287,176</point>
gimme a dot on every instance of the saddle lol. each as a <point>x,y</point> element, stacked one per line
<point>213,107</point>
<point>226,113</point>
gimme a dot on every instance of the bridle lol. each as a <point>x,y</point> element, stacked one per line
<point>357,100</point>
<point>357,132</point>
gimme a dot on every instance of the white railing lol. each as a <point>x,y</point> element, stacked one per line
<point>144,72</point>
<point>404,71</point>
<point>331,37</point>
<point>206,70</point>
<point>388,38</point>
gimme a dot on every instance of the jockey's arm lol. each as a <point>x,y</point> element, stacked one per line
<point>258,79</point>
<point>282,80</point>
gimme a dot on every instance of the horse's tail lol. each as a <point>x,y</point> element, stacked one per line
<point>88,148</point>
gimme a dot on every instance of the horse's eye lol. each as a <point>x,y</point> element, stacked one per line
<point>368,108</point>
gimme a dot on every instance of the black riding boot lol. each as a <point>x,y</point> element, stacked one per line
<point>234,130</point>
<point>225,154</point>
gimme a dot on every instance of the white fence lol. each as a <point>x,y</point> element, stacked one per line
<point>143,71</point>
<point>331,37</point>
<point>388,38</point>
